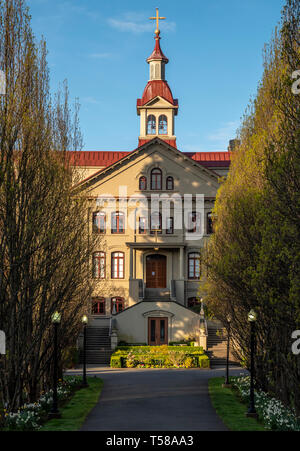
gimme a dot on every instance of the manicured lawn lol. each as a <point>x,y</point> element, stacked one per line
<point>76,410</point>
<point>230,409</point>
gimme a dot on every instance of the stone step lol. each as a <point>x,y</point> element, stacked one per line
<point>96,357</point>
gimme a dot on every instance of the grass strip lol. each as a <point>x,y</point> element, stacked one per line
<point>74,413</point>
<point>230,408</point>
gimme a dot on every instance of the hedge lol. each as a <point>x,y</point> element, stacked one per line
<point>159,357</point>
<point>146,349</point>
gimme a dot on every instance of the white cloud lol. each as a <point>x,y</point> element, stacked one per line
<point>100,55</point>
<point>224,133</point>
<point>134,22</point>
<point>91,100</point>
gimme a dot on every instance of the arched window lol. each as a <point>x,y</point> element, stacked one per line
<point>99,263</point>
<point>117,222</point>
<point>156,223</point>
<point>170,183</point>
<point>192,302</point>
<point>163,125</point>
<point>143,183</point>
<point>119,304</point>
<point>210,227</point>
<point>151,125</point>
<point>194,266</point>
<point>117,265</point>
<point>98,306</point>
<point>156,179</point>
<point>99,220</point>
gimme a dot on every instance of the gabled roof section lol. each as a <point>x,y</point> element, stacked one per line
<point>129,155</point>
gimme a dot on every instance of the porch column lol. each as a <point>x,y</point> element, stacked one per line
<point>131,264</point>
<point>134,266</point>
<point>181,264</point>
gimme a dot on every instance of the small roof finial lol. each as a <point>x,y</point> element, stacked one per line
<point>157,18</point>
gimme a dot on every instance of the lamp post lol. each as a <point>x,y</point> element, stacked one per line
<point>252,317</point>
<point>85,321</point>
<point>227,383</point>
<point>54,412</point>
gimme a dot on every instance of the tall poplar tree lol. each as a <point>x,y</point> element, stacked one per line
<point>44,242</point>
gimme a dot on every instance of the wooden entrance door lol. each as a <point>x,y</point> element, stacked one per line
<point>156,271</point>
<point>157,331</point>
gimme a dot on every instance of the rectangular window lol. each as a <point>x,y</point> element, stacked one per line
<point>142,226</point>
<point>99,222</point>
<point>117,265</point>
<point>170,226</point>
<point>117,223</point>
<point>194,222</point>
<point>156,223</point>
<point>99,263</point>
<point>98,306</point>
<point>194,266</point>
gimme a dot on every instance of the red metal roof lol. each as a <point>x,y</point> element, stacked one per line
<point>106,158</point>
<point>171,142</point>
<point>96,158</point>
<point>157,53</point>
<point>211,159</point>
<point>156,88</point>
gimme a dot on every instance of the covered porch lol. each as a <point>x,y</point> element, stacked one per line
<point>156,272</point>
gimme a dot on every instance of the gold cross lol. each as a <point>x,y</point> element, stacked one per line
<point>157,18</point>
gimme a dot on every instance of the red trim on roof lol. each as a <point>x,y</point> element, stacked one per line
<point>157,53</point>
<point>156,88</point>
<point>171,142</point>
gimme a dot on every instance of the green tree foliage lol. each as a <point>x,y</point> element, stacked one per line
<point>254,256</point>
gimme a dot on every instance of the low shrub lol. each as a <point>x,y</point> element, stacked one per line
<point>159,357</point>
<point>160,349</point>
<point>116,361</point>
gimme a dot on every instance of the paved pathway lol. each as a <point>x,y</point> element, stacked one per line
<point>154,400</point>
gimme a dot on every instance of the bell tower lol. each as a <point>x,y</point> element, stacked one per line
<point>157,108</point>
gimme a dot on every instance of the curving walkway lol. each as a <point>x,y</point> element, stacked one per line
<point>155,400</point>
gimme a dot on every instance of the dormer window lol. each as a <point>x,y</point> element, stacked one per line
<point>151,125</point>
<point>163,125</point>
<point>143,183</point>
<point>156,179</point>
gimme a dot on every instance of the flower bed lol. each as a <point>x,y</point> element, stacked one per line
<point>272,412</point>
<point>159,357</point>
<point>31,416</point>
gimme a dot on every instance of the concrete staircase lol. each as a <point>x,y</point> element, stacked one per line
<point>217,345</point>
<point>157,294</point>
<point>98,346</point>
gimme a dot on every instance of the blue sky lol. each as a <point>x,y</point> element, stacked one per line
<point>214,48</point>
